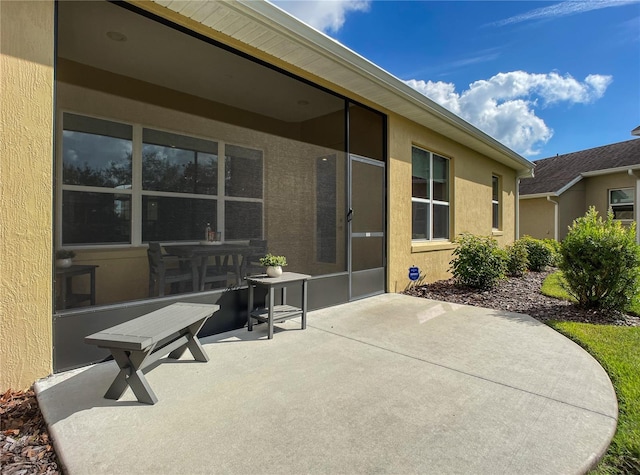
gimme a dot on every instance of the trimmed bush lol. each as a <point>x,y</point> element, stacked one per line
<point>538,253</point>
<point>554,247</point>
<point>601,262</point>
<point>517,259</point>
<point>478,262</point>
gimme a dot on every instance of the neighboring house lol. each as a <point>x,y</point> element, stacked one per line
<point>565,186</point>
<point>129,123</point>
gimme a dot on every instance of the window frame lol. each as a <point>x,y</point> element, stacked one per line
<point>496,204</point>
<point>612,206</point>
<point>136,191</point>
<point>431,202</point>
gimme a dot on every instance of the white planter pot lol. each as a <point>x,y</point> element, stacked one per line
<point>64,263</point>
<point>274,271</point>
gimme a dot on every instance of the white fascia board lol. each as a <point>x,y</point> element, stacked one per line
<point>537,195</point>
<point>551,194</point>
<point>609,171</point>
<point>277,19</point>
<point>569,185</point>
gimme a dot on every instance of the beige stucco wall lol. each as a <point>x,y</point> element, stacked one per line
<point>26,95</point>
<point>597,189</point>
<point>537,214</point>
<point>572,204</point>
<point>470,206</point>
<point>537,218</point>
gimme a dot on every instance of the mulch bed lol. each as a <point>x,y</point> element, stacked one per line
<point>26,447</point>
<point>24,440</point>
<point>521,295</point>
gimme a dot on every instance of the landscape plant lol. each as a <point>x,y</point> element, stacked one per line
<point>554,248</point>
<point>517,259</point>
<point>477,262</point>
<point>600,261</point>
<point>555,286</point>
<point>539,253</point>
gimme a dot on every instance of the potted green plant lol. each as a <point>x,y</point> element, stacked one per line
<point>274,264</point>
<point>64,258</point>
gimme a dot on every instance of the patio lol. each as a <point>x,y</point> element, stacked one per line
<point>389,384</point>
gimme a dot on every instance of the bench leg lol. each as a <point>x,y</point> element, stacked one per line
<point>131,375</point>
<point>193,344</point>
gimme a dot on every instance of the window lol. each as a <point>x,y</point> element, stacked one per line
<point>97,181</point>
<point>621,202</point>
<point>495,202</point>
<point>429,196</point>
<point>177,194</point>
<point>243,193</point>
<point>185,170</point>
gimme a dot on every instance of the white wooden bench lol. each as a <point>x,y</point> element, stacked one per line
<point>140,342</point>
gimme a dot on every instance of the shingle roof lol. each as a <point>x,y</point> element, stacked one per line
<point>552,174</point>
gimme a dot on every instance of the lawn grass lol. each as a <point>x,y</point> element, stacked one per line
<point>555,286</point>
<point>618,351</point>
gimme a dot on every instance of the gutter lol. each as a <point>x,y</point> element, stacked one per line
<point>608,171</point>
<point>636,172</point>
<point>555,217</point>
<point>519,176</point>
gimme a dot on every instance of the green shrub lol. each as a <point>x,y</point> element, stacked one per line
<point>554,247</point>
<point>478,262</point>
<point>601,262</point>
<point>538,253</point>
<point>517,259</point>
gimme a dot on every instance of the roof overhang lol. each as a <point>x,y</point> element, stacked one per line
<point>264,27</point>
<point>609,171</point>
<point>631,170</point>
<point>533,196</point>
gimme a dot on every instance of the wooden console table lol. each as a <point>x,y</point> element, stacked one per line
<point>277,313</point>
<point>66,274</point>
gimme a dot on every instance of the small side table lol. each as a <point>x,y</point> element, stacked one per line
<point>66,274</point>
<point>277,313</point>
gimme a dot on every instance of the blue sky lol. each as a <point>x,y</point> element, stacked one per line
<point>544,78</point>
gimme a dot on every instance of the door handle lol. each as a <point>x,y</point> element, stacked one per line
<point>349,215</point>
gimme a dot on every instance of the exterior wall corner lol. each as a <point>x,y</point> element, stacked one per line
<point>26,147</point>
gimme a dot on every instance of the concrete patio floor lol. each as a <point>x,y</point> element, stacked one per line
<point>390,384</point>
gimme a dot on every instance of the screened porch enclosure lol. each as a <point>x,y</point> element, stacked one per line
<point>288,194</point>
<point>166,137</point>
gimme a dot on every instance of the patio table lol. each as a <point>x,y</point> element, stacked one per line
<point>67,296</point>
<point>200,254</point>
<point>277,313</point>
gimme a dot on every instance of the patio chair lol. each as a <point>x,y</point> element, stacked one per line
<point>217,273</point>
<point>162,274</point>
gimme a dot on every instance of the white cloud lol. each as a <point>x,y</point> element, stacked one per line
<point>324,15</point>
<point>566,8</point>
<point>504,106</point>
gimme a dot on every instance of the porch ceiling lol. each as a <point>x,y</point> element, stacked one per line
<point>159,55</point>
<point>267,28</point>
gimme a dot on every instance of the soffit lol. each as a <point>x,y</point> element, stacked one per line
<point>269,29</point>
